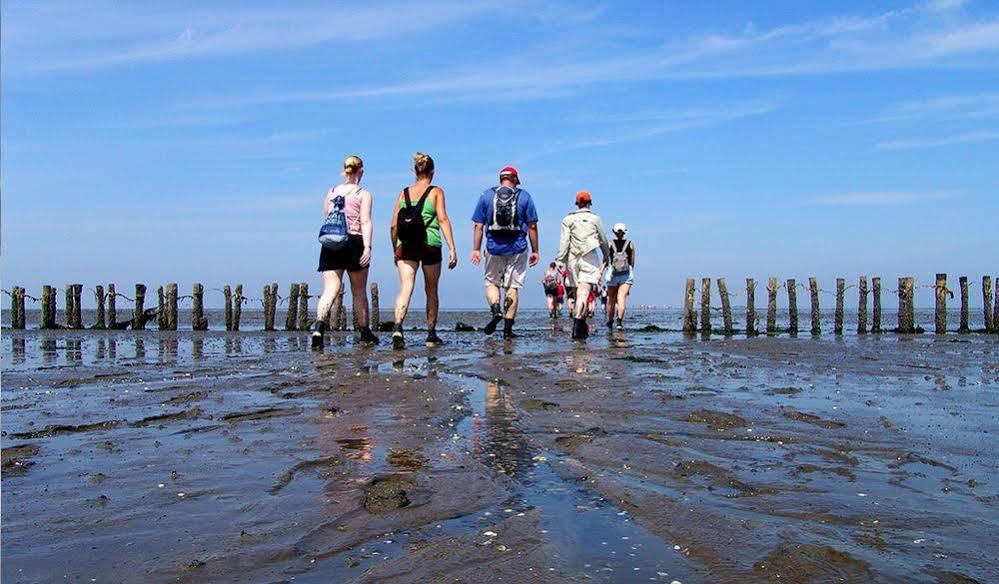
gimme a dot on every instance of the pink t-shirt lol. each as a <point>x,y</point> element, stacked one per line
<point>352,195</point>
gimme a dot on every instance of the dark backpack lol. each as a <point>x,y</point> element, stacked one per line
<point>505,210</point>
<point>410,226</point>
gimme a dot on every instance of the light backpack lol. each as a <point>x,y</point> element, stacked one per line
<point>619,259</point>
<point>504,217</point>
<point>333,233</point>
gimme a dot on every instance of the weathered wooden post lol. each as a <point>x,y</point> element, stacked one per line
<point>303,306</point>
<point>69,306</point>
<point>198,320</point>
<point>171,306</point>
<point>995,315</point>
<point>940,320</point>
<point>838,322</point>
<point>237,307</point>
<point>100,298</point>
<point>112,307</point>
<point>339,317</point>
<point>750,307</point>
<point>987,296</point>
<point>77,306</point>
<point>876,316</point>
<point>689,316</point>
<point>227,292</point>
<point>43,316</point>
<point>373,318</point>
<point>268,319</point>
<point>771,306</point>
<point>138,315</point>
<point>21,320</point>
<point>862,306</point>
<point>705,305</point>
<point>161,312</point>
<point>274,301</point>
<point>963,283</point>
<point>813,293</point>
<point>792,306</point>
<point>906,311</point>
<point>291,321</point>
<point>726,306</point>
<point>17,307</point>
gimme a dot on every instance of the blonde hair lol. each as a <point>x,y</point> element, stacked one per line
<point>351,165</point>
<point>423,165</point>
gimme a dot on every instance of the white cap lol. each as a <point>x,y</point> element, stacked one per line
<point>620,227</point>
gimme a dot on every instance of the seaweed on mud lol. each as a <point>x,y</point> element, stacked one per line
<point>406,459</point>
<point>289,475</point>
<point>538,404</point>
<point>387,493</point>
<point>59,429</point>
<point>946,577</point>
<point>189,414</point>
<point>639,359</point>
<point>578,439</point>
<point>15,458</point>
<point>912,457</point>
<point>186,397</point>
<point>812,563</point>
<point>716,420</point>
<point>260,414</point>
<point>813,419</point>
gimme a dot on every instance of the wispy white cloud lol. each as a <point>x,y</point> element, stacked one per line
<point>965,138</point>
<point>880,198</point>
<point>942,108</point>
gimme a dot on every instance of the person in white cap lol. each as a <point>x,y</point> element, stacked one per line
<point>620,275</point>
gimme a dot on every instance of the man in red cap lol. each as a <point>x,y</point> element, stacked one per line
<point>507,215</point>
<point>582,235</point>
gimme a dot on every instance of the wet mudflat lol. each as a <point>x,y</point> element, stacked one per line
<point>639,457</point>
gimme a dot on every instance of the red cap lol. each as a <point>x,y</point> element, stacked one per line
<point>510,171</point>
<point>583,197</point>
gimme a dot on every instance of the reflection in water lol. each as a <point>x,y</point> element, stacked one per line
<point>359,448</point>
<point>101,348</point>
<point>140,348</point>
<point>112,348</point>
<point>578,362</point>
<point>17,351</point>
<point>48,347</point>
<point>198,348</point>
<point>502,445</point>
<point>270,345</point>
<point>237,344</point>
<point>74,351</point>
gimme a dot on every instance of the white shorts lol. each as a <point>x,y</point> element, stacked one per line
<point>506,271</point>
<point>585,269</point>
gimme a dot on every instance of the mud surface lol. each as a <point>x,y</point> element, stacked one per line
<point>644,456</point>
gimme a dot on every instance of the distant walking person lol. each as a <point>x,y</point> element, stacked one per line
<point>346,246</point>
<point>582,235</point>
<point>419,219</point>
<point>621,275</point>
<point>551,282</point>
<point>507,215</point>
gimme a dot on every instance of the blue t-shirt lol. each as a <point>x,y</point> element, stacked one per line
<point>505,244</point>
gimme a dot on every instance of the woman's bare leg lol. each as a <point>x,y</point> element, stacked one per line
<point>332,282</point>
<point>359,292</point>
<point>407,278</point>
<point>431,277</point>
<point>611,301</point>
<point>622,299</point>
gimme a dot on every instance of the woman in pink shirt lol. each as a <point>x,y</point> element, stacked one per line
<point>354,258</point>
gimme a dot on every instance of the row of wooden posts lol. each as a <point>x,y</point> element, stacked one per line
<point>165,312</point>
<point>906,306</point>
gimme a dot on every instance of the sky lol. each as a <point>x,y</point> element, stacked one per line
<point>194,142</point>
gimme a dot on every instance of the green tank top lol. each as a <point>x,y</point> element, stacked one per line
<point>429,218</point>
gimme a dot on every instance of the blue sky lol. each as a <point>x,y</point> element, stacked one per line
<point>194,141</point>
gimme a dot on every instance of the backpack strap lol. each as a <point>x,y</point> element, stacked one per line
<point>405,193</point>
<point>423,199</point>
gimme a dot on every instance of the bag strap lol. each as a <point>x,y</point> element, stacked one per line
<point>423,199</point>
<point>405,193</point>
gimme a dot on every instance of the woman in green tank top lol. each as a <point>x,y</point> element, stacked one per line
<point>409,256</point>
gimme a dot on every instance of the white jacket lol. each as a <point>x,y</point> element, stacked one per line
<point>582,232</point>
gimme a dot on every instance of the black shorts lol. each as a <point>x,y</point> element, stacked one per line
<point>347,257</point>
<point>570,292</point>
<point>551,290</point>
<point>428,255</point>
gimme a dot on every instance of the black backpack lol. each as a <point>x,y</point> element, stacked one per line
<point>505,210</point>
<point>410,226</point>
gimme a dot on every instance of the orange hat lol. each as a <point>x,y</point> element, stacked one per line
<point>583,197</point>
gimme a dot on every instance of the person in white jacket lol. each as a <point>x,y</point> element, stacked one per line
<point>582,235</point>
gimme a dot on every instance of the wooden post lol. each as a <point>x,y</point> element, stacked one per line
<point>43,317</point>
<point>726,306</point>
<point>792,306</point>
<point>987,296</point>
<point>171,306</point>
<point>906,312</point>
<point>17,307</point>
<point>689,316</point>
<point>771,306</point>
<point>112,309</point>
<point>274,301</point>
<point>705,305</point>
<point>198,320</point>
<point>303,306</point>
<point>77,306</point>
<point>100,298</point>
<point>840,289</point>
<point>813,293</point>
<point>339,318</point>
<point>876,316</point>
<point>138,315</point>
<point>995,315</point>
<point>291,321</point>
<point>750,307</point>
<point>227,292</point>
<point>963,282</point>
<point>68,311</point>
<point>373,318</point>
<point>237,307</point>
<point>862,306</point>
<point>268,321</point>
<point>940,320</point>
<point>161,313</point>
